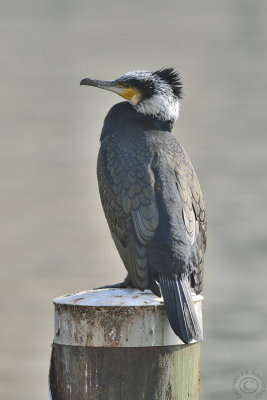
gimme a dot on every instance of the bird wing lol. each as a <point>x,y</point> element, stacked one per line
<point>194,214</point>
<point>126,185</point>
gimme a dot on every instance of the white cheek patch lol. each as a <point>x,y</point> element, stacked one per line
<point>162,106</point>
<point>134,100</point>
<point>137,97</point>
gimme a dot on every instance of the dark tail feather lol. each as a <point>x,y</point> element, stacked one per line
<point>180,308</point>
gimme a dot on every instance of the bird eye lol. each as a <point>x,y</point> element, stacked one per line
<point>126,85</point>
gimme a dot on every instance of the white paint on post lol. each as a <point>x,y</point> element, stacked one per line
<point>115,318</point>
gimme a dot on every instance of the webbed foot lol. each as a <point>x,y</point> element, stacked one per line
<point>121,285</point>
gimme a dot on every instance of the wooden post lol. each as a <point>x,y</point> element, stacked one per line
<point>113,344</point>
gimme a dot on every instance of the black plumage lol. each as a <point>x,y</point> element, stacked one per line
<point>152,198</point>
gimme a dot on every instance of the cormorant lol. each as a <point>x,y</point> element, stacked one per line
<point>151,195</point>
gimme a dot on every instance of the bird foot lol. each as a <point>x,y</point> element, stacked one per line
<point>121,285</point>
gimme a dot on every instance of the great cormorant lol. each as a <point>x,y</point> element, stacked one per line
<point>151,195</point>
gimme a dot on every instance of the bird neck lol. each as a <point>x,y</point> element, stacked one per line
<point>124,116</point>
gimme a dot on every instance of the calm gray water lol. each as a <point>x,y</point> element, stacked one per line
<point>54,239</point>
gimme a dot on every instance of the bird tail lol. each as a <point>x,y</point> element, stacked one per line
<point>180,308</point>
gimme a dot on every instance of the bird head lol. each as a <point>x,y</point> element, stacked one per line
<point>156,94</point>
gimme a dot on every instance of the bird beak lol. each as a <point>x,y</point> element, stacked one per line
<point>129,93</point>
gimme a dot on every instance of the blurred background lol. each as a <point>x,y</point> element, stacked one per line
<point>54,238</point>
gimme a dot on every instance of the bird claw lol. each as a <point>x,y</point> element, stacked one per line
<point>121,285</point>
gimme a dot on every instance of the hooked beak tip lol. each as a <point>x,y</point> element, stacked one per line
<point>85,81</point>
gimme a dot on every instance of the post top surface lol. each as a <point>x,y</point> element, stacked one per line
<point>114,298</point>
<point>114,318</point>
